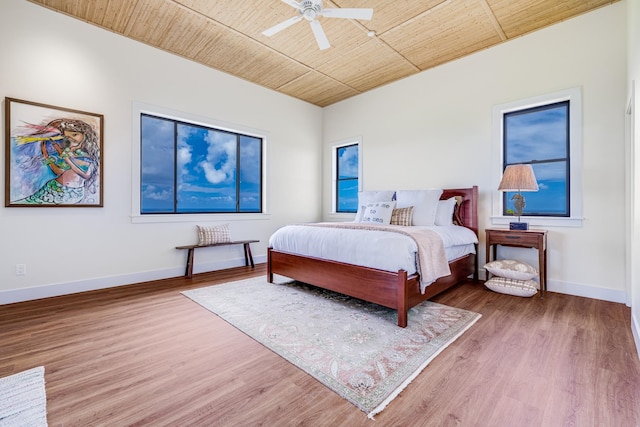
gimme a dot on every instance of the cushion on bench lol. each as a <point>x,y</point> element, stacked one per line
<point>209,235</point>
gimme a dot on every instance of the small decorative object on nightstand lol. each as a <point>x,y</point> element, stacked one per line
<point>518,178</point>
<point>536,239</point>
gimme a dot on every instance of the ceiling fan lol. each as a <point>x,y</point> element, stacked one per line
<point>310,10</point>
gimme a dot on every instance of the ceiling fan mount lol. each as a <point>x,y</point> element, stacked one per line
<point>310,10</point>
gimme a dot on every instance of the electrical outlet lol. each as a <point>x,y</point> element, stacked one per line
<point>21,269</point>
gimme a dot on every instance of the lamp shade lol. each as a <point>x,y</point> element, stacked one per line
<point>518,178</point>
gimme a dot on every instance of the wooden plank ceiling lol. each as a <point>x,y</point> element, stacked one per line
<point>410,36</point>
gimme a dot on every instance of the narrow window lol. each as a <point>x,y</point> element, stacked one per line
<point>346,178</point>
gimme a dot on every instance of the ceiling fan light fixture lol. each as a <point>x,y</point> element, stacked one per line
<point>309,14</point>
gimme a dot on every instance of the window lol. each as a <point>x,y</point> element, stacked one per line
<point>347,169</point>
<point>545,132</point>
<point>347,178</point>
<point>539,136</point>
<point>194,168</point>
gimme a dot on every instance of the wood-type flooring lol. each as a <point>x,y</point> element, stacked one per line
<point>145,355</point>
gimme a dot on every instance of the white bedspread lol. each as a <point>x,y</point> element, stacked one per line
<point>369,248</point>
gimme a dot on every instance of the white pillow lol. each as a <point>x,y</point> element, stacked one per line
<point>520,288</point>
<point>444,211</point>
<point>378,213</point>
<point>209,235</point>
<point>511,269</point>
<point>365,197</point>
<point>424,202</point>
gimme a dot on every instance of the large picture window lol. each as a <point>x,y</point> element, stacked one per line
<point>545,132</point>
<point>190,168</point>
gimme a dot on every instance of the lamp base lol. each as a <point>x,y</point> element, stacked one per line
<point>518,226</point>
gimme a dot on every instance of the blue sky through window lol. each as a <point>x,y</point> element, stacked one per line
<point>196,168</point>
<point>347,182</point>
<point>157,171</point>
<point>540,136</point>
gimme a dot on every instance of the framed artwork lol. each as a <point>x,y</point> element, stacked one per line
<point>53,156</point>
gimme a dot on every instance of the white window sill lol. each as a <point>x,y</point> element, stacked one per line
<point>169,218</point>
<point>539,221</point>
<point>341,217</point>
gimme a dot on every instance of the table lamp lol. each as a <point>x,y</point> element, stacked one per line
<point>518,178</point>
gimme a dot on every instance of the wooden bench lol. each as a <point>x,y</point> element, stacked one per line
<point>248,258</point>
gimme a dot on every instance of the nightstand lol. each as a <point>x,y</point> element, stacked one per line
<point>536,239</point>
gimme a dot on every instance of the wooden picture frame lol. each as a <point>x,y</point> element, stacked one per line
<point>53,156</point>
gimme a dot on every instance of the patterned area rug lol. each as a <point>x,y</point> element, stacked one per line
<point>23,401</point>
<point>353,347</point>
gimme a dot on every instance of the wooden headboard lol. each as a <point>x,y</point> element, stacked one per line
<point>466,212</point>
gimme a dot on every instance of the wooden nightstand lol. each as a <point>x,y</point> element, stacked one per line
<point>536,239</point>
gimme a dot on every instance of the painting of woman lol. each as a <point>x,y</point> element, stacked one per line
<point>55,163</point>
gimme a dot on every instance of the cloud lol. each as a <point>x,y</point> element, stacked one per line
<point>157,151</point>
<point>151,192</point>
<point>220,162</point>
<point>348,161</point>
<point>213,175</point>
<point>537,135</point>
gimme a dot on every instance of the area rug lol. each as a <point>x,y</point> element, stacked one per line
<point>23,401</point>
<point>353,347</point>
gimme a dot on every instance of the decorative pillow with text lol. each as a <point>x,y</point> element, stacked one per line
<point>378,213</point>
<point>366,197</point>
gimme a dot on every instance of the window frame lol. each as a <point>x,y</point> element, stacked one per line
<point>334,173</point>
<point>139,108</point>
<point>575,218</point>
<point>566,105</point>
<point>338,180</point>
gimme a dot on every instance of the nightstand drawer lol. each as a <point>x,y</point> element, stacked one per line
<point>515,239</point>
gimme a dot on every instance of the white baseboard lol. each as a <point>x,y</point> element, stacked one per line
<point>581,290</point>
<point>54,290</point>
<point>635,329</point>
<point>588,291</point>
<point>58,289</point>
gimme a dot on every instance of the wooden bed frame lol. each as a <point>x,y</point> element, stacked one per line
<point>394,290</point>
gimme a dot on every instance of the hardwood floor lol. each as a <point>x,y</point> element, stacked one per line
<point>146,355</point>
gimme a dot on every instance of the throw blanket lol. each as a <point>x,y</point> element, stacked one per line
<point>432,261</point>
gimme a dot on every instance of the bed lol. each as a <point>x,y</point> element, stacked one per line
<point>399,290</point>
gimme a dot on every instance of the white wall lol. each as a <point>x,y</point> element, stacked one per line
<point>50,58</point>
<point>633,23</point>
<point>434,130</point>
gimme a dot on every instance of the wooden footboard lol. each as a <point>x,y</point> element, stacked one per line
<point>398,291</point>
<point>395,290</point>
<point>380,287</point>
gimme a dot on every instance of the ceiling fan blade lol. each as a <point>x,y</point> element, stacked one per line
<point>292,3</point>
<point>321,37</point>
<point>281,26</point>
<point>349,13</point>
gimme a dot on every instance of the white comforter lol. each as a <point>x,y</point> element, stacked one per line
<point>369,248</point>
